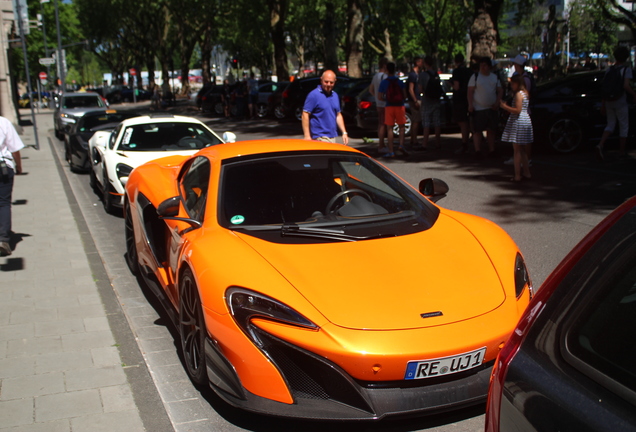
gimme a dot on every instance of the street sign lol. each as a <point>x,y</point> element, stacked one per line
<point>42,75</point>
<point>47,61</point>
<point>133,71</point>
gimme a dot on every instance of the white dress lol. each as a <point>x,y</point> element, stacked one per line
<point>519,126</point>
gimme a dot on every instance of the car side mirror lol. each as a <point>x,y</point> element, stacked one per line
<point>433,189</point>
<point>229,137</point>
<point>169,207</point>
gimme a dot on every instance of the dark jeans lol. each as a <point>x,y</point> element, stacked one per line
<point>6,187</point>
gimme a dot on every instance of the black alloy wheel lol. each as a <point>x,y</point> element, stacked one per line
<point>92,180</point>
<point>192,329</point>
<point>261,110</point>
<point>279,112</point>
<point>131,248</point>
<point>565,135</point>
<point>407,127</point>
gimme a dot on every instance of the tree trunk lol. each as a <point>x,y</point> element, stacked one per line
<point>278,14</point>
<point>331,46</point>
<point>484,31</point>
<point>206,55</point>
<point>151,75</point>
<point>355,38</point>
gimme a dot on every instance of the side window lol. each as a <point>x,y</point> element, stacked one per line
<point>113,137</point>
<point>194,187</point>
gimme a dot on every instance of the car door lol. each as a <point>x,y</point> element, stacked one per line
<point>98,155</point>
<point>193,190</point>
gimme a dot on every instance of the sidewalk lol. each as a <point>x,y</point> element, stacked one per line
<point>68,360</point>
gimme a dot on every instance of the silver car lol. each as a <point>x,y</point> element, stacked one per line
<point>72,106</point>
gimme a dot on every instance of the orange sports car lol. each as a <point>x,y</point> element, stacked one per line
<point>309,281</point>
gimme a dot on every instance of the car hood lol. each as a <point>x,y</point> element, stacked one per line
<point>435,277</point>
<point>78,112</point>
<point>136,158</point>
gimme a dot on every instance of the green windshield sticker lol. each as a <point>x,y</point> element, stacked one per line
<point>238,219</point>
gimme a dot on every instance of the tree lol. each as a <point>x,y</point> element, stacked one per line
<point>615,12</point>
<point>355,37</point>
<point>484,32</point>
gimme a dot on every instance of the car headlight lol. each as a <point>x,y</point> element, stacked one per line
<point>67,118</point>
<point>246,304</point>
<point>123,172</point>
<point>522,278</point>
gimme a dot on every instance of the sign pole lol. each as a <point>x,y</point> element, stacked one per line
<point>28,77</point>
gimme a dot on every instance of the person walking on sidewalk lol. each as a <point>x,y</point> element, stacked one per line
<point>615,87</point>
<point>414,98</point>
<point>484,97</point>
<point>380,104</point>
<point>10,164</point>
<point>321,113</point>
<point>393,91</point>
<point>431,89</point>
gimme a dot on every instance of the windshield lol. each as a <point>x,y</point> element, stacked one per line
<point>342,192</point>
<point>91,123</point>
<point>168,136</point>
<point>82,102</point>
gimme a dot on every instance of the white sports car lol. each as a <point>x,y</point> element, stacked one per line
<point>138,140</point>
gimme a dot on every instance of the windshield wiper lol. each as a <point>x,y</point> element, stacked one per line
<point>294,230</point>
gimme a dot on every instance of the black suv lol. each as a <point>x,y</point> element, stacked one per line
<point>293,98</point>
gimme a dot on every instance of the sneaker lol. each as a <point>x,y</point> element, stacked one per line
<point>388,155</point>
<point>5,249</point>
<point>509,161</point>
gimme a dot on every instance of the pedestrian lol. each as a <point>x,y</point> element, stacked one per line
<point>461,76</point>
<point>156,97</point>
<point>252,85</point>
<point>10,165</point>
<point>614,88</point>
<point>414,96</point>
<point>484,98</point>
<point>431,89</point>
<point>518,130</point>
<point>519,65</point>
<point>379,104</point>
<point>226,97</point>
<point>393,92</point>
<point>321,113</point>
<point>240,93</point>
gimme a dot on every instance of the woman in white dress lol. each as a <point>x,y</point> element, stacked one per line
<point>518,129</point>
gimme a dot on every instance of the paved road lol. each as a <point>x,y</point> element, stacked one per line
<point>546,217</point>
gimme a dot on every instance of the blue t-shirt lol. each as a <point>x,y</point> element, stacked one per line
<point>384,86</point>
<point>323,110</point>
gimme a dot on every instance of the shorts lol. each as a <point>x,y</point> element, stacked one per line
<point>326,139</point>
<point>484,120</point>
<point>253,99</point>
<point>618,113</point>
<point>431,115</point>
<point>460,112</point>
<point>394,115</point>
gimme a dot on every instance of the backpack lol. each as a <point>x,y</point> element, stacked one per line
<point>394,93</point>
<point>613,82</point>
<point>433,88</point>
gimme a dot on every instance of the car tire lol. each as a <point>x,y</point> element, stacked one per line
<point>218,108</point>
<point>298,114</point>
<point>261,110</point>
<point>131,248</point>
<point>68,157</point>
<point>407,127</point>
<point>107,197</point>
<point>92,180</point>
<point>59,135</point>
<point>192,329</point>
<point>279,112</point>
<point>565,135</point>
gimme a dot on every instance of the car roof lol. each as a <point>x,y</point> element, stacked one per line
<point>272,146</point>
<point>160,118</point>
<point>80,94</point>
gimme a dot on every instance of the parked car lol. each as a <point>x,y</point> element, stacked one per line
<point>76,139</point>
<point>569,364</point>
<point>72,106</point>
<point>269,256</point>
<point>367,115</point>
<point>293,97</point>
<point>264,93</point>
<point>212,100</point>
<point>348,100</point>
<point>566,112</point>
<point>138,140</point>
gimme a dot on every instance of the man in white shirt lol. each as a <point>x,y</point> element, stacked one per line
<point>10,164</point>
<point>484,95</point>
<point>380,104</point>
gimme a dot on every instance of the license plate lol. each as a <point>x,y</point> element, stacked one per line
<point>419,369</point>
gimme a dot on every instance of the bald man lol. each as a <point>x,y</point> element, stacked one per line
<point>321,113</point>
